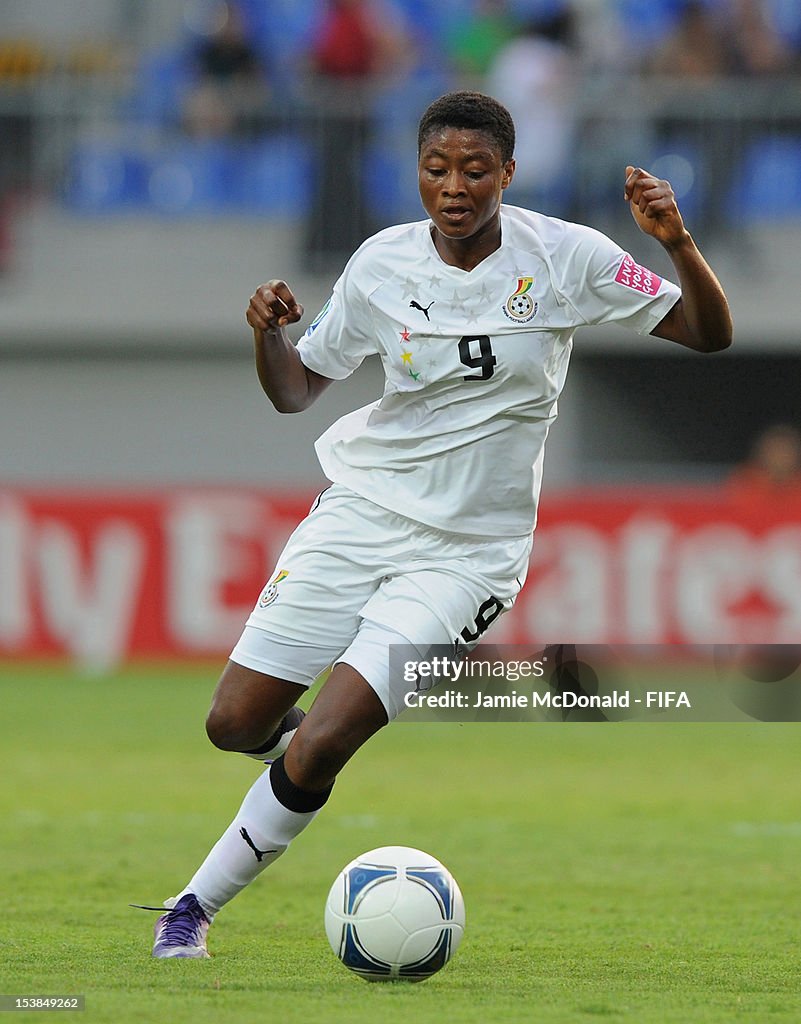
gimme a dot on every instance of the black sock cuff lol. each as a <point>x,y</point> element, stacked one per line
<point>291,796</point>
<point>290,721</point>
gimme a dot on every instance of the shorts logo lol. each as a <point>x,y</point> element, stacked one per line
<point>639,279</point>
<point>271,593</point>
<point>520,307</point>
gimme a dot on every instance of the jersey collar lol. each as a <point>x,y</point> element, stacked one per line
<point>486,263</point>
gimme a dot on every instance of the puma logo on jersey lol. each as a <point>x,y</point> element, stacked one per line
<point>414,304</point>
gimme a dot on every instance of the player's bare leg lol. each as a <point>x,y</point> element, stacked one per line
<point>253,713</point>
<point>346,713</point>
<point>282,801</point>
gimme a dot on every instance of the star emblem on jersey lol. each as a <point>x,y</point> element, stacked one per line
<point>520,307</point>
<point>271,593</point>
<point>458,301</point>
<point>485,295</point>
<point>407,355</point>
<point>409,287</point>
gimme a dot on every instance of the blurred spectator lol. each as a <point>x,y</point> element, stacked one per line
<point>773,470</point>
<point>737,37</point>
<point>355,40</point>
<point>230,94</point>
<point>6,237</point>
<point>694,64</point>
<point>611,124</point>
<point>698,48</point>
<point>473,47</point>
<point>534,75</point>
<point>603,44</point>
<point>357,46</point>
<point>759,49</point>
<point>23,63</point>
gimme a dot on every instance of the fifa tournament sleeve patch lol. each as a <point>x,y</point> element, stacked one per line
<point>317,320</point>
<point>639,279</point>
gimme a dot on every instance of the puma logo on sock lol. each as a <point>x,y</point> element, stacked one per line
<point>259,853</point>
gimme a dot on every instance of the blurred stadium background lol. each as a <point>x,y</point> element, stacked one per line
<point>160,158</point>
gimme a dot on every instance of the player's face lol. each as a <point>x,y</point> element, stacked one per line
<point>462,177</point>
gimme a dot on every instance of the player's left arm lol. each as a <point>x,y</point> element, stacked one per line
<point>701,319</point>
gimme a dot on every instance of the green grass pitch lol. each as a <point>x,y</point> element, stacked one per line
<point>633,872</point>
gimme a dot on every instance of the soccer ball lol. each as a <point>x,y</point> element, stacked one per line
<point>394,913</point>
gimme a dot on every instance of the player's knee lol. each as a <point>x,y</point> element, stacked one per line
<point>316,755</point>
<point>228,731</point>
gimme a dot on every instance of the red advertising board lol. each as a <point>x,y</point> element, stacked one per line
<point>106,576</point>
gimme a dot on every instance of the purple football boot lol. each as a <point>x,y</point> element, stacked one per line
<point>181,932</point>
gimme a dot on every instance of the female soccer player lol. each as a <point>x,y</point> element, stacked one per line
<point>424,536</point>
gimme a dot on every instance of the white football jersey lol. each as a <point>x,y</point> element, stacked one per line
<point>474,363</point>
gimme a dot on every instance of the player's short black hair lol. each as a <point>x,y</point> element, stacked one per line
<point>472,110</point>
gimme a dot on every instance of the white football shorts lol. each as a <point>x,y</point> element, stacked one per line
<point>355,578</point>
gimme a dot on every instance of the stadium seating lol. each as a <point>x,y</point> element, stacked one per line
<point>768,186</point>
<point>150,165</point>
<point>105,177</point>
<point>272,177</point>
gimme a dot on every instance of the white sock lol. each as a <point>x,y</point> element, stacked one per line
<point>262,823</point>
<point>278,743</point>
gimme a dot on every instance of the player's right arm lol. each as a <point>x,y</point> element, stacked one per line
<point>290,386</point>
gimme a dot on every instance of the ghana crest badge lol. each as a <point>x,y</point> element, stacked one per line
<point>520,307</point>
<point>271,593</point>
